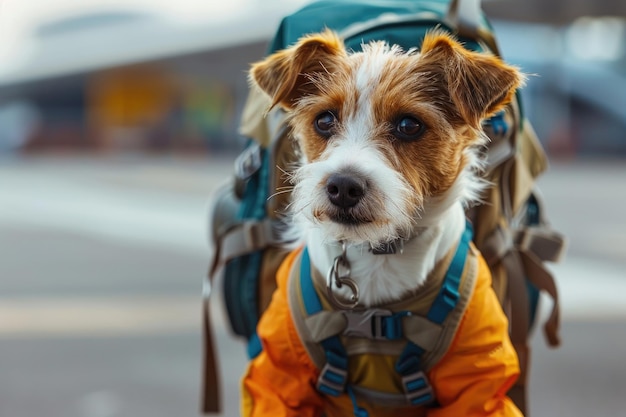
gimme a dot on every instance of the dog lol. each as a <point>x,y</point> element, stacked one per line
<point>391,151</point>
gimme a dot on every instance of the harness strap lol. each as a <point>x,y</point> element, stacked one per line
<point>383,324</point>
<point>449,293</point>
<point>417,388</point>
<point>334,374</point>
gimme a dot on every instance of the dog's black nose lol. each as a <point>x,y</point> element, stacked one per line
<point>344,190</point>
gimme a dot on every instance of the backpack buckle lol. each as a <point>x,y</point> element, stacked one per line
<point>248,162</point>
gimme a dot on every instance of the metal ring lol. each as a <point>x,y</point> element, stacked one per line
<point>335,274</point>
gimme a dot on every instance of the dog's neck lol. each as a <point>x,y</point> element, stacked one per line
<point>386,278</point>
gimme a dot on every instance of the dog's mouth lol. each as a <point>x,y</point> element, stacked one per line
<point>348,217</point>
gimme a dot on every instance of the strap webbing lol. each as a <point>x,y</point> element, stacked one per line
<point>334,375</point>
<point>449,293</point>
<point>312,303</point>
<point>414,381</point>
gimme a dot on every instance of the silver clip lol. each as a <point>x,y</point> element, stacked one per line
<point>341,278</point>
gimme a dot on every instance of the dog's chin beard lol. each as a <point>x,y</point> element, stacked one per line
<point>347,218</point>
<point>346,227</point>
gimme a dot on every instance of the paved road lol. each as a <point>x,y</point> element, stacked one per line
<point>101,261</point>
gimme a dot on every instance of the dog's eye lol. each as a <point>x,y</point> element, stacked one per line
<point>408,128</point>
<point>325,123</point>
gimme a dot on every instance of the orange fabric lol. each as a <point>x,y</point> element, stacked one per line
<point>280,381</point>
<point>471,380</point>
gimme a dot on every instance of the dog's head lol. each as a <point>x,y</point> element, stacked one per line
<point>388,138</point>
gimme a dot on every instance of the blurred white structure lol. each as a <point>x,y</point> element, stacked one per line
<point>159,73</point>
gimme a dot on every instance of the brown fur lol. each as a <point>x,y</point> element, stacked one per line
<point>448,88</point>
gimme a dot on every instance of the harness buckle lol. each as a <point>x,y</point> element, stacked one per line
<point>376,323</point>
<point>365,323</point>
<point>417,389</point>
<point>332,380</point>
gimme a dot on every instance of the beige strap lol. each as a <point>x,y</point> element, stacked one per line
<point>240,239</point>
<point>417,329</point>
<point>325,324</point>
<point>543,280</point>
<point>421,331</point>
<point>544,243</point>
<point>495,246</point>
<point>533,245</point>
<point>298,315</point>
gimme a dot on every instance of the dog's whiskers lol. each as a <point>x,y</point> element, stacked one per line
<point>286,190</point>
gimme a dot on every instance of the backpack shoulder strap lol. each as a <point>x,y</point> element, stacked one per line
<point>467,18</point>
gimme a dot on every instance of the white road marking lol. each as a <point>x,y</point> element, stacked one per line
<point>148,218</point>
<point>98,316</point>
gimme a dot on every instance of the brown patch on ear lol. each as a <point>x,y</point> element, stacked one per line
<point>289,74</point>
<point>479,84</point>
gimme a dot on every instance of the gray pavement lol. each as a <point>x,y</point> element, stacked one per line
<point>101,261</point>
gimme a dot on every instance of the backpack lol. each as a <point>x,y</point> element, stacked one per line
<point>510,227</point>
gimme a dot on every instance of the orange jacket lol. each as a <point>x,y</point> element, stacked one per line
<point>472,379</point>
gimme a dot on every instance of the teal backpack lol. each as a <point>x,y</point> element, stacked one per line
<point>510,230</point>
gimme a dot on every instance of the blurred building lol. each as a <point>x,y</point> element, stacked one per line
<point>116,79</point>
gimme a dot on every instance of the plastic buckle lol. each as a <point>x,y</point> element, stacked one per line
<point>417,389</point>
<point>332,380</point>
<point>450,296</point>
<point>248,162</point>
<point>366,323</point>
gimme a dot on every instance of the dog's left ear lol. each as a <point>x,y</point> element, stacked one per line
<point>290,74</point>
<point>479,84</point>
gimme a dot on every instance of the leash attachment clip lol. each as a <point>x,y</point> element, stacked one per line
<point>339,275</point>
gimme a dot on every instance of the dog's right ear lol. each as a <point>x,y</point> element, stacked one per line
<point>290,74</point>
<point>479,84</point>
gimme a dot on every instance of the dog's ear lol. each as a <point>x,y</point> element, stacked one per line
<point>479,84</point>
<point>290,74</point>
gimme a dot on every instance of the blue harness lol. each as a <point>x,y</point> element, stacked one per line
<point>418,391</point>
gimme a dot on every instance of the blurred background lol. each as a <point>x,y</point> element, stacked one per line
<point>118,119</point>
